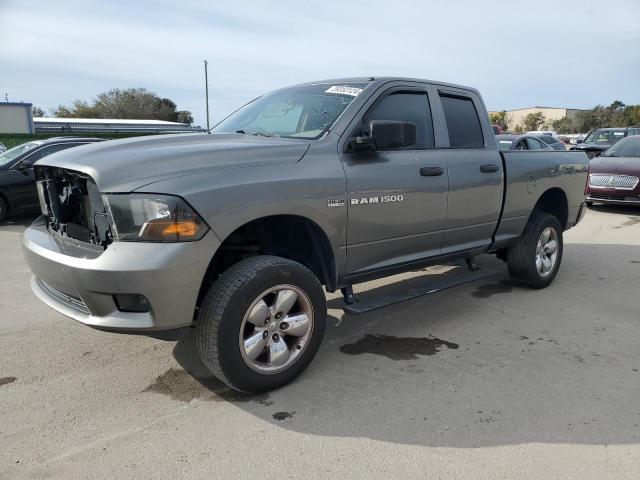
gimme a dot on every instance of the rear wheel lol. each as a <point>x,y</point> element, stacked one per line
<point>3,210</point>
<point>261,323</point>
<point>535,258</point>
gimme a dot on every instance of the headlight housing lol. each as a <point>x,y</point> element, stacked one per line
<point>147,217</point>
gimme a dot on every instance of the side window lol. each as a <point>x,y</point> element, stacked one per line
<point>463,123</point>
<point>521,145</point>
<point>533,144</point>
<point>43,152</point>
<point>410,107</point>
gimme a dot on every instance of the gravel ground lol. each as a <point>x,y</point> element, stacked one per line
<point>485,380</point>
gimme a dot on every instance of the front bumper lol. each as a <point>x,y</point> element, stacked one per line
<point>613,198</point>
<point>80,282</point>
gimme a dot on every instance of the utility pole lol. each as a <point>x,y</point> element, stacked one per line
<point>206,90</point>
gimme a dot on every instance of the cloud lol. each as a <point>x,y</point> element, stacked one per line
<point>571,53</point>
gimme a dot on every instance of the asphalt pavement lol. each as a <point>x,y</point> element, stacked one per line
<point>484,380</point>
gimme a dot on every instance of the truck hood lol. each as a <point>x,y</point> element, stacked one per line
<point>128,164</point>
<point>616,165</point>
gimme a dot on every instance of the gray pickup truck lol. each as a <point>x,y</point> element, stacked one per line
<point>328,183</point>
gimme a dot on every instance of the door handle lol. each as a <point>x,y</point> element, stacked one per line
<point>431,171</point>
<point>489,168</point>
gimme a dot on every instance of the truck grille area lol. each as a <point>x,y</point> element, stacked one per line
<point>72,205</point>
<point>69,300</point>
<point>618,182</point>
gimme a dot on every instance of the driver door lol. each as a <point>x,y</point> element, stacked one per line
<point>396,197</point>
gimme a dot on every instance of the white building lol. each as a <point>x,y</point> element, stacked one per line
<point>15,117</point>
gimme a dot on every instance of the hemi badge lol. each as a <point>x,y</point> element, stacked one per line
<point>336,203</point>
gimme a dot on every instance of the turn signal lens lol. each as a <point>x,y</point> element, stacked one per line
<point>169,230</point>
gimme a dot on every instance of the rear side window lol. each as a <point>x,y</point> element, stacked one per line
<point>463,123</point>
<point>412,107</point>
<point>534,144</point>
<point>49,150</point>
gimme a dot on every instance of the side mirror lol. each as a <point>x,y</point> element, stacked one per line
<point>578,141</point>
<point>386,134</point>
<point>24,165</point>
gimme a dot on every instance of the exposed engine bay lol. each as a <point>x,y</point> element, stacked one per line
<point>73,206</point>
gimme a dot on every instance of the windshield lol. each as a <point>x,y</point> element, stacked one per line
<point>305,112</point>
<point>15,152</point>
<point>628,147</point>
<point>605,137</point>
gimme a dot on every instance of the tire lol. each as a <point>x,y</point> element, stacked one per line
<point>523,258</point>
<point>239,297</point>
<point>4,210</point>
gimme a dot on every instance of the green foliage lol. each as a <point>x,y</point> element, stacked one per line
<point>184,116</point>
<point>11,140</point>
<point>37,111</point>
<point>564,125</point>
<point>499,118</point>
<point>533,121</point>
<point>130,103</point>
<point>615,115</point>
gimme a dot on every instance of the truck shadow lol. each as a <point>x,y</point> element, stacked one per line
<point>467,368</point>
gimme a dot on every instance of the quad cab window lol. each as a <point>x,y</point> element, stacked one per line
<point>463,123</point>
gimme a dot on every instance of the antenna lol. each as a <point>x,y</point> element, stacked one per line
<point>206,90</point>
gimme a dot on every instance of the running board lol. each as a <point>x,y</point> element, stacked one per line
<point>431,284</point>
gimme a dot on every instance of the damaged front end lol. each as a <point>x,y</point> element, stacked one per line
<point>73,206</point>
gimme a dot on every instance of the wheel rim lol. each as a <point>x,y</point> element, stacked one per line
<point>547,252</point>
<point>276,329</point>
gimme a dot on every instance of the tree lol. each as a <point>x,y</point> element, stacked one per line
<point>533,121</point>
<point>37,111</point>
<point>563,125</point>
<point>130,103</point>
<point>499,118</point>
<point>184,116</point>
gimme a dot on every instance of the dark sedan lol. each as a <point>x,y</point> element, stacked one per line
<point>18,194</point>
<point>614,175</point>
<point>600,139</point>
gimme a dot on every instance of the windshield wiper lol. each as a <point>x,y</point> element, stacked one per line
<point>258,134</point>
<point>263,134</point>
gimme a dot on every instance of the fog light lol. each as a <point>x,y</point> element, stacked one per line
<point>130,302</point>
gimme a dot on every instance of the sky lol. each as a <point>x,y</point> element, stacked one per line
<point>563,53</point>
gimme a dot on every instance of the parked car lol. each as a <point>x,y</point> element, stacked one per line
<point>521,142</point>
<point>548,133</point>
<point>614,175</point>
<point>554,142</point>
<point>598,140</point>
<point>327,183</point>
<point>18,194</point>
<point>2,148</point>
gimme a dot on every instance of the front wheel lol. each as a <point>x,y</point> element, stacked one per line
<point>535,258</point>
<point>261,323</point>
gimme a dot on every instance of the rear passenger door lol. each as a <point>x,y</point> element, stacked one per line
<point>475,172</point>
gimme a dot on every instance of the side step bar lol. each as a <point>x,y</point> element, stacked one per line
<point>430,284</point>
